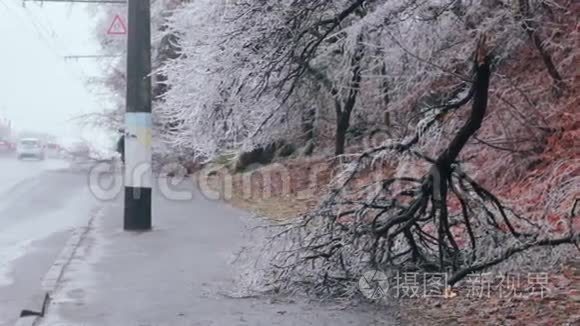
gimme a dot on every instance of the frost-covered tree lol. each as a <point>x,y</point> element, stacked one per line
<point>466,120</point>
<point>212,100</point>
<point>436,212</point>
<point>113,79</point>
<point>263,66</point>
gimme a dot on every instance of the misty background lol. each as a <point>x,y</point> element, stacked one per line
<point>42,91</point>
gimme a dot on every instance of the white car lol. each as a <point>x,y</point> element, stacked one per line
<point>30,147</point>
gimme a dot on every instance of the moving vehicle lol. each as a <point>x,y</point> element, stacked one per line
<point>6,146</point>
<point>53,150</point>
<point>79,151</point>
<point>30,147</point>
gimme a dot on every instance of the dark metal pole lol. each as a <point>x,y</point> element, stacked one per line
<point>138,176</point>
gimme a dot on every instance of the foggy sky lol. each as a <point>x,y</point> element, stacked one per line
<point>39,90</point>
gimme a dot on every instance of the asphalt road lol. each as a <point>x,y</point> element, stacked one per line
<point>184,266</point>
<point>189,270</point>
<point>40,203</point>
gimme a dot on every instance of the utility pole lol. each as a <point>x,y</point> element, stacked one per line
<point>138,175</point>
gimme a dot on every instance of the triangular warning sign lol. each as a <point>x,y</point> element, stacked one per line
<point>117,27</point>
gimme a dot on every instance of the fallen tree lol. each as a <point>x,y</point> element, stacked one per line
<point>441,222</point>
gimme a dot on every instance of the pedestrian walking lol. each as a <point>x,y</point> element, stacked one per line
<point>121,147</point>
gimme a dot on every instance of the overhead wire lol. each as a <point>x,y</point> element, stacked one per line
<point>45,32</point>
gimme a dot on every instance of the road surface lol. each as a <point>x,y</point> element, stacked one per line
<point>40,203</point>
<point>182,273</point>
<point>189,270</point>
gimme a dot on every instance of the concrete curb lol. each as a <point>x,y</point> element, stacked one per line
<point>54,276</point>
<point>27,321</point>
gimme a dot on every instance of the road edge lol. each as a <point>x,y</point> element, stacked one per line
<point>50,282</point>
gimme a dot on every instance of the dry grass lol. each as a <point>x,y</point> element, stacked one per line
<point>293,192</point>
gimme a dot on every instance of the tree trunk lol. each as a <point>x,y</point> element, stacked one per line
<point>386,98</point>
<point>478,110</point>
<point>343,112</point>
<point>308,119</point>
<point>342,124</point>
<point>168,50</point>
<point>531,28</point>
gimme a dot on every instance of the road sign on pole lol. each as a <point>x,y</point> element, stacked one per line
<point>138,175</point>
<point>117,27</point>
